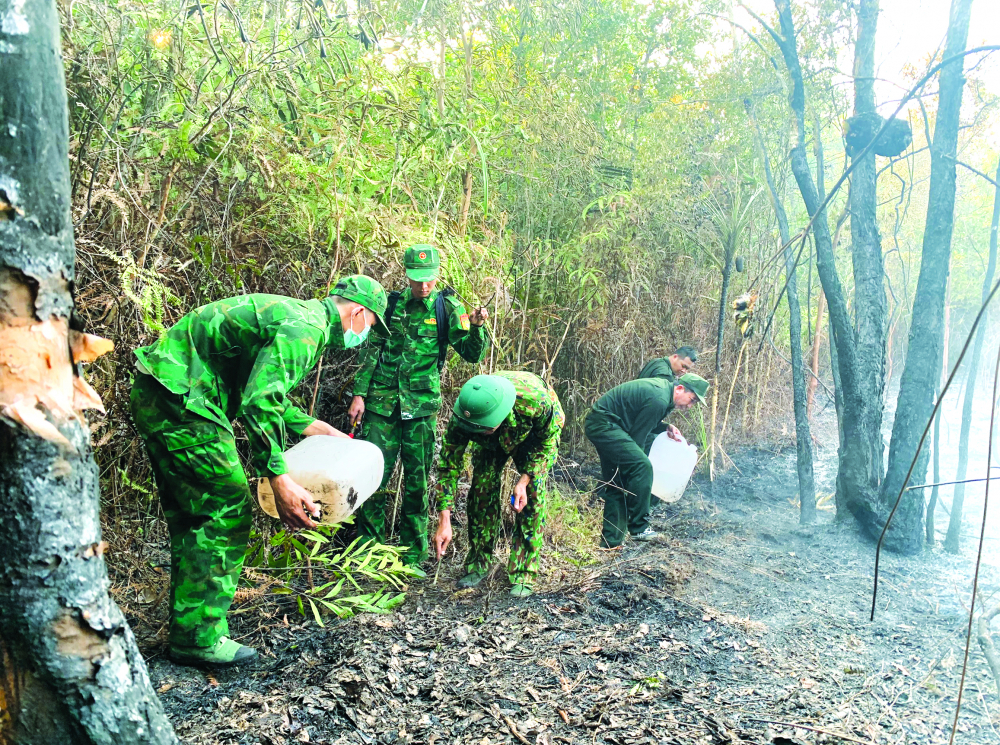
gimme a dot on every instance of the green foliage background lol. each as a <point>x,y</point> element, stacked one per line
<point>573,160</point>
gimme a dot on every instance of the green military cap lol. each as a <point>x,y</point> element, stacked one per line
<point>364,291</point>
<point>485,401</point>
<point>696,384</point>
<point>422,262</point>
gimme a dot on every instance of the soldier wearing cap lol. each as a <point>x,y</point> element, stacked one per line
<point>618,426</point>
<point>398,391</point>
<point>505,416</point>
<point>233,359</point>
<point>679,363</point>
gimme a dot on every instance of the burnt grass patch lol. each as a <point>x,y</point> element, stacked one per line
<point>739,625</point>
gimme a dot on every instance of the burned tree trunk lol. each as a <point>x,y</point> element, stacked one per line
<point>859,472</point>
<point>803,436</point>
<point>70,672</point>
<point>922,368</point>
<point>866,257</point>
<point>951,541</point>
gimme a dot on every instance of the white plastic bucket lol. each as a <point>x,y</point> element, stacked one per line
<point>339,472</point>
<point>673,463</point>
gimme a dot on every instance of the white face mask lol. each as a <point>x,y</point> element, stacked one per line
<point>351,337</point>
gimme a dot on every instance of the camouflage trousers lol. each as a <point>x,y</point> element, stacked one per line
<point>483,507</point>
<point>412,441</point>
<point>206,501</point>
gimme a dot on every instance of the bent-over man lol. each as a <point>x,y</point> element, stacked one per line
<point>233,359</point>
<point>618,425</point>
<point>398,391</point>
<point>669,368</point>
<point>507,415</point>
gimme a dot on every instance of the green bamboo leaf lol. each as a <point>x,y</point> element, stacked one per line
<point>315,612</point>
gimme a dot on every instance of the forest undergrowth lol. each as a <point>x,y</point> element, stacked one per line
<point>744,624</point>
<point>205,165</point>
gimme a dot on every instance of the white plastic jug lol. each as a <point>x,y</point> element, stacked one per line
<point>339,472</point>
<point>673,463</point>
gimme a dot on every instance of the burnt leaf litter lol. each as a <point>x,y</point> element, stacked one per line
<point>740,625</point>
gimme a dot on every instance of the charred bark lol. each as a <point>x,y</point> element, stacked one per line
<point>866,256</point>
<point>951,541</point>
<point>859,472</point>
<point>922,368</point>
<point>70,671</point>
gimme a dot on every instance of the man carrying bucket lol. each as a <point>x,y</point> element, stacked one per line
<point>618,426</point>
<point>233,359</point>
<point>669,368</point>
<point>398,391</point>
<point>507,415</point>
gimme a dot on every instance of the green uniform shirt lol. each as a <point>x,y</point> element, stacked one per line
<point>536,421</point>
<point>658,368</point>
<point>239,358</point>
<point>637,406</point>
<point>402,369</point>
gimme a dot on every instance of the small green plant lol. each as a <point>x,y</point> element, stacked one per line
<point>145,288</point>
<point>572,526</point>
<point>650,682</point>
<point>362,577</point>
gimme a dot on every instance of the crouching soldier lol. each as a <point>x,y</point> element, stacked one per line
<point>618,426</point>
<point>233,359</point>
<point>398,390</point>
<point>507,415</point>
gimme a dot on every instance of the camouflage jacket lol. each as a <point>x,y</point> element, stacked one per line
<point>658,367</point>
<point>402,368</point>
<point>533,427</point>
<point>239,358</point>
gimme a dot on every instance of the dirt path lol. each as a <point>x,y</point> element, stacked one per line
<point>742,617</point>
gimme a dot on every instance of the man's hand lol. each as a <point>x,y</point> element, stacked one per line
<point>521,493</point>
<point>319,427</point>
<point>357,410</point>
<point>442,538</point>
<point>674,434</point>
<point>294,504</point>
<point>479,316</point>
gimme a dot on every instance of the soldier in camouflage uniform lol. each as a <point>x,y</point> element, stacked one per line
<point>507,415</point>
<point>398,391</point>
<point>669,368</point>
<point>232,359</point>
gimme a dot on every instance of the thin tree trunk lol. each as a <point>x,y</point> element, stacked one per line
<point>929,526</point>
<point>70,671</point>
<point>803,437</point>
<point>814,366</point>
<point>727,272</point>
<point>922,367</point>
<point>838,392</point>
<point>951,541</point>
<point>463,220</point>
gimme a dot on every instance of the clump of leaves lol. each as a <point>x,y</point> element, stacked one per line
<point>362,577</point>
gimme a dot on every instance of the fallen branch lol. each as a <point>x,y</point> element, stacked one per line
<point>513,730</point>
<point>817,730</point>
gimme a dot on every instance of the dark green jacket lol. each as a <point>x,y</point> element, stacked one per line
<point>402,369</point>
<point>240,358</point>
<point>637,406</point>
<point>658,368</point>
